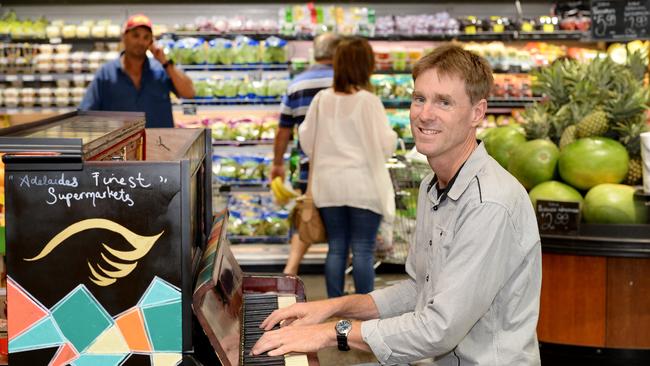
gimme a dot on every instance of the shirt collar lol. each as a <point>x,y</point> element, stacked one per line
<point>463,176</point>
<point>118,62</point>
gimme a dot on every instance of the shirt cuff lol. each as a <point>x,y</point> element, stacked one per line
<point>372,336</point>
<point>385,302</point>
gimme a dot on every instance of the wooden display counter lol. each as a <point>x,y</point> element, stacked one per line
<point>595,302</point>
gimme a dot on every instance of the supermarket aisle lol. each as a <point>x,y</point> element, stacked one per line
<point>315,287</point>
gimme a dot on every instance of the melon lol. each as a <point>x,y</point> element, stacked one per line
<point>590,161</point>
<point>534,162</point>
<point>613,204</point>
<point>500,141</point>
<point>554,191</point>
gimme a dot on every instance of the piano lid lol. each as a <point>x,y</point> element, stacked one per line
<point>218,295</point>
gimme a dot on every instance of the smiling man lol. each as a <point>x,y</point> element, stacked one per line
<point>135,83</point>
<point>472,296</point>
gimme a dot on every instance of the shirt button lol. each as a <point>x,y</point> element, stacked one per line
<point>430,242</point>
<point>441,233</point>
<point>435,208</point>
<point>427,279</point>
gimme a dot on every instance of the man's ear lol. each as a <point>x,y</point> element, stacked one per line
<point>478,112</point>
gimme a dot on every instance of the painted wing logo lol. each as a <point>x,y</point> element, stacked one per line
<point>100,275</point>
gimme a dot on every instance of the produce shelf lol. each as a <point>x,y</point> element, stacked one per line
<point>231,101</point>
<point>27,110</point>
<point>251,67</point>
<point>46,77</point>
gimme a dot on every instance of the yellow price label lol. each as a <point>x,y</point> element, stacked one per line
<point>548,28</point>
<point>470,29</point>
<point>498,28</point>
<point>527,27</point>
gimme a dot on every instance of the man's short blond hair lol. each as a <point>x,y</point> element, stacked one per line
<point>451,60</point>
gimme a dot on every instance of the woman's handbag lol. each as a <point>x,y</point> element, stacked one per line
<point>305,216</point>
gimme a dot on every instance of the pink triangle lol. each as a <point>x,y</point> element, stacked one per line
<point>22,310</point>
<point>64,355</point>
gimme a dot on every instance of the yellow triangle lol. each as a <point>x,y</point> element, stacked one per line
<point>110,342</point>
<point>166,359</point>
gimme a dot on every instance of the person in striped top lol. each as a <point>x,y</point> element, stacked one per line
<point>294,107</point>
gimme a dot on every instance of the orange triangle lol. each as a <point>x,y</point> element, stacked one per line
<point>131,325</point>
<point>22,311</point>
<point>65,354</point>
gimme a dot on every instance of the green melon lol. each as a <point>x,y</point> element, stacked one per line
<point>500,141</point>
<point>554,191</point>
<point>613,204</point>
<point>534,162</point>
<point>590,161</point>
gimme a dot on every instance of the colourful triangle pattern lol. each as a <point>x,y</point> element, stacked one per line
<point>131,325</point>
<point>164,326</point>
<point>98,360</point>
<point>43,334</point>
<point>64,356</point>
<point>23,311</point>
<point>166,359</point>
<point>111,341</point>
<point>159,292</point>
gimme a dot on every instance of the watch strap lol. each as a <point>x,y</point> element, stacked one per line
<point>168,63</point>
<point>342,341</point>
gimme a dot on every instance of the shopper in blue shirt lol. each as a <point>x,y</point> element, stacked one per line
<point>135,83</point>
<point>294,107</point>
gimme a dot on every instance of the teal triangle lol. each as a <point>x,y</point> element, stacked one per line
<point>164,326</point>
<point>43,334</point>
<point>159,292</point>
<point>98,360</point>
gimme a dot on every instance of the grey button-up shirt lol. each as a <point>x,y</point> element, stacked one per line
<point>475,277</point>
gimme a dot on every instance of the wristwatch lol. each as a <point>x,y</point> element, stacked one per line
<point>343,328</point>
<point>169,62</point>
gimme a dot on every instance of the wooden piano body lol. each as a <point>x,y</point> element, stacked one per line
<point>219,293</point>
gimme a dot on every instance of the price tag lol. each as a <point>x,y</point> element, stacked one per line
<point>11,77</point>
<point>498,28</point>
<point>527,27</point>
<point>12,111</point>
<point>28,78</point>
<point>620,20</point>
<point>55,40</point>
<point>189,109</point>
<point>548,28</point>
<point>47,78</point>
<point>470,29</point>
<point>90,77</point>
<point>555,217</point>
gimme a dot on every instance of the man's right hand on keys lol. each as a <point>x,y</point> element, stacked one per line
<point>304,313</point>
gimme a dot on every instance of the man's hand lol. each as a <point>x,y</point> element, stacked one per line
<point>296,338</point>
<point>277,170</point>
<point>158,53</point>
<point>304,313</point>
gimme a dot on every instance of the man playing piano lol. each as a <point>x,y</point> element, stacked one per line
<point>472,296</point>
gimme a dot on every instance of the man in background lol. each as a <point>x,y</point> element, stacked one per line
<point>135,83</point>
<point>294,107</point>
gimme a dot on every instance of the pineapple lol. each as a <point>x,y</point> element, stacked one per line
<point>634,171</point>
<point>568,136</point>
<point>537,124</point>
<point>594,124</point>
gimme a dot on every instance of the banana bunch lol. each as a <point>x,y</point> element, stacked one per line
<point>281,193</point>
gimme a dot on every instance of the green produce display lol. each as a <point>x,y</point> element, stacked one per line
<point>613,204</point>
<point>591,161</point>
<point>554,191</point>
<point>534,162</point>
<point>500,142</point>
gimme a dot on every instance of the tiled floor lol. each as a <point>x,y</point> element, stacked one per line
<point>315,288</point>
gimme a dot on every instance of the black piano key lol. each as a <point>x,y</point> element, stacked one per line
<point>263,359</point>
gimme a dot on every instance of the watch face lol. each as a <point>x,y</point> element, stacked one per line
<point>343,326</point>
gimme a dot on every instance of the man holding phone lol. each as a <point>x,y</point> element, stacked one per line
<point>134,82</point>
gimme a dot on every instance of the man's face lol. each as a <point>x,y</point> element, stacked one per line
<point>442,115</point>
<point>137,41</point>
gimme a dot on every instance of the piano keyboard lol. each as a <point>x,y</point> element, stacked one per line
<point>258,307</point>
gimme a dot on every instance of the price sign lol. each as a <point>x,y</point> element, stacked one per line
<point>620,20</point>
<point>555,217</point>
<point>189,109</point>
<point>47,78</point>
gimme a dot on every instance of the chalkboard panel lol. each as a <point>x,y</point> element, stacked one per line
<point>555,217</point>
<point>620,20</point>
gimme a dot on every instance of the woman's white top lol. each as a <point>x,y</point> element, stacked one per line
<point>354,140</point>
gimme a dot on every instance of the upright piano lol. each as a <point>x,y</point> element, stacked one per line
<point>230,305</point>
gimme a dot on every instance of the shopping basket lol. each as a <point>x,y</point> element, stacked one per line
<point>406,176</point>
